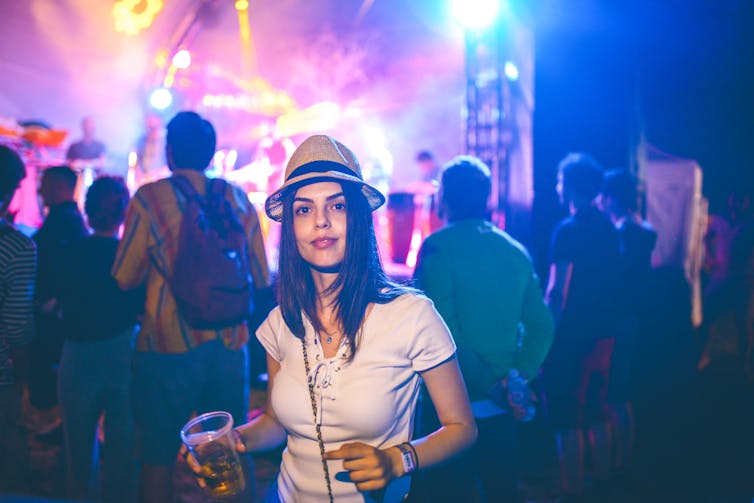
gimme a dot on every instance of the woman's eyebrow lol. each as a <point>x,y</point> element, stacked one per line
<point>328,198</point>
<point>334,196</point>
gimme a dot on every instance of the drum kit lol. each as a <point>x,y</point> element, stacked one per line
<point>411,216</point>
<point>26,206</point>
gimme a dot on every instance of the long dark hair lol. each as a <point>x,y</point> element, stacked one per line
<point>361,279</point>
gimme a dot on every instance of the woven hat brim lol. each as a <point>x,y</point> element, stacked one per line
<point>273,206</point>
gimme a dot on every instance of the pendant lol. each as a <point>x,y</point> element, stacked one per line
<point>329,339</point>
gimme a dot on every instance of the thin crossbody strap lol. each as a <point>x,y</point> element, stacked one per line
<point>317,426</point>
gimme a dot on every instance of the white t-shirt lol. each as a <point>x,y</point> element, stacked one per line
<point>371,399</point>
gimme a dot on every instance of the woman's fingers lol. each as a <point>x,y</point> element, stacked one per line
<point>366,475</point>
<point>240,443</point>
<point>371,485</point>
<point>350,451</point>
<point>193,465</point>
<point>368,467</point>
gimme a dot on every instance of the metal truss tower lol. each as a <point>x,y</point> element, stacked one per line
<point>499,106</point>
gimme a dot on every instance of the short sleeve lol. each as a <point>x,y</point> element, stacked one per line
<point>269,333</point>
<point>431,342</point>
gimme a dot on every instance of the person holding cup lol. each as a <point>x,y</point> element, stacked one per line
<point>347,348</point>
<point>210,439</point>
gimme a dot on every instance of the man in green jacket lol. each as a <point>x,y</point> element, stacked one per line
<point>483,284</point>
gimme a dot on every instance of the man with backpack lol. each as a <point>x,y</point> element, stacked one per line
<point>196,244</point>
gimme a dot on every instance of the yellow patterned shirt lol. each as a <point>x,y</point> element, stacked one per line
<point>149,245</point>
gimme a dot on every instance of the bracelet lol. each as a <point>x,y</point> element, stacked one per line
<point>407,456</point>
<point>416,456</point>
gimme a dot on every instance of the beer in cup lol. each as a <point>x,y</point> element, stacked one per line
<point>210,439</point>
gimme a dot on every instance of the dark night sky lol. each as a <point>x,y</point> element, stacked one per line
<point>682,70</point>
<point>685,68</point>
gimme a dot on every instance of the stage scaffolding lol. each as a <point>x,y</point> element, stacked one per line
<point>498,117</point>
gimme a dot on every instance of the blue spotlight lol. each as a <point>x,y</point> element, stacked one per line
<point>511,71</point>
<point>161,98</point>
<point>475,14</point>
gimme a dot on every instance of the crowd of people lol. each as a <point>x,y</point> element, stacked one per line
<point>140,313</point>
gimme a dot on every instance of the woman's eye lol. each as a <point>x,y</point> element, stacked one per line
<point>339,206</point>
<point>301,210</point>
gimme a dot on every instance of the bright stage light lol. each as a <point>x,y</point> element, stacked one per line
<point>511,71</point>
<point>182,59</point>
<point>230,159</point>
<point>242,5</point>
<point>132,16</point>
<point>475,14</point>
<point>161,98</point>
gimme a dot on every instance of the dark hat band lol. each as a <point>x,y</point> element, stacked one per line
<point>321,167</point>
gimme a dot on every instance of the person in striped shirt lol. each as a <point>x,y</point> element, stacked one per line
<point>18,269</point>
<point>178,369</point>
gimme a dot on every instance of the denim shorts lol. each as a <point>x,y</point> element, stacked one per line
<point>169,388</point>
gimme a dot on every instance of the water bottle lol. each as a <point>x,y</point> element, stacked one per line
<point>519,394</point>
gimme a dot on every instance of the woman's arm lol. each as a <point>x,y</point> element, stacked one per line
<point>458,429</point>
<point>264,432</point>
<point>372,469</point>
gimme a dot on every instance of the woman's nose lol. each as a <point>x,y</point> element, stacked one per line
<point>322,221</point>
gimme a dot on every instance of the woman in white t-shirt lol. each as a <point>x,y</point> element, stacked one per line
<point>347,348</point>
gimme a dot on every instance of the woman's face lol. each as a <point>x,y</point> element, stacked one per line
<point>319,224</point>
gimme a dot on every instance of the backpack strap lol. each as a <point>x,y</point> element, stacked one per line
<point>216,186</point>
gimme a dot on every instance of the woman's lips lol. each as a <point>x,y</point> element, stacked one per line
<point>323,243</point>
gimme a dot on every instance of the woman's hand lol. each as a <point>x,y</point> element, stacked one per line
<point>193,464</point>
<point>369,468</point>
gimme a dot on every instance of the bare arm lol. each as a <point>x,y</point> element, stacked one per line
<point>264,432</point>
<point>458,429</point>
<point>372,469</point>
<point>557,288</point>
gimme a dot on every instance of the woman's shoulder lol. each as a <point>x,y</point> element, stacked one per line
<point>274,318</point>
<point>273,332</point>
<point>409,300</point>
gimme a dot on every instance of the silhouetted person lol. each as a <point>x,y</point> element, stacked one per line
<point>199,370</point>
<point>86,157</point>
<point>483,284</point>
<point>62,224</point>
<point>721,228</point>
<point>581,293</point>
<point>88,148</point>
<point>725,396</point>
<point>18,264</point>
<point>619,199</point>
<point>429,170</point>
<point>95,366</point>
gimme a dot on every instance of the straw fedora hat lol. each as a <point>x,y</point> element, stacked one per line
<point>320,158</point>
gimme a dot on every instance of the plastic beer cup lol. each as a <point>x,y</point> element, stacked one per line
<point>210,439</point>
